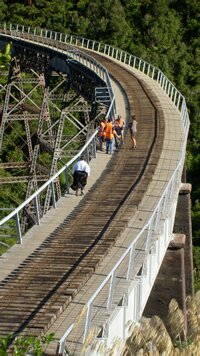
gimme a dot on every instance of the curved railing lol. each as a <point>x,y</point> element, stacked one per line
<point>39,35</point>
<point>69,50</point>
<point>164,212</point>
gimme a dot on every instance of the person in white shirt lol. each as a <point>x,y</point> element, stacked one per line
<point>133,130</point>
<point>80,171</point>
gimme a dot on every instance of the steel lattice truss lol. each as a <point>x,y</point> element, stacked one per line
<point>44,121</point>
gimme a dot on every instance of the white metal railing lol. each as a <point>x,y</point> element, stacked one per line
<point>91,143</point>
<point>164,210</point>
<point>149,231</point>
<point>43,37</point>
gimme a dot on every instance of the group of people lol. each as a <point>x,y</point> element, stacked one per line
<point>112,131</point>
<point>109,131</point>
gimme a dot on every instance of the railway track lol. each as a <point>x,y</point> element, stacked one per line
<point>36,293</point>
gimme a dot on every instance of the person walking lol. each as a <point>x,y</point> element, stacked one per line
<point>122,126</point>
<point>133,130</point>
<point>80,171</point>
<point>117,134</point>
<point>109,136</point>
<point>101,134</point>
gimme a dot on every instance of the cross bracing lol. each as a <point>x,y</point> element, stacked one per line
<point>46,116</point>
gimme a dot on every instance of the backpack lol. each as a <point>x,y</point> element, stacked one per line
<point>130,124</point>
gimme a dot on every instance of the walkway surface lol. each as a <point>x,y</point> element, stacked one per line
<point>171,153</point>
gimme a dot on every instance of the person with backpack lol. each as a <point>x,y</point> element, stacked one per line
<point>118,134</point>
<point>80,171</point>
<point>133,130</point>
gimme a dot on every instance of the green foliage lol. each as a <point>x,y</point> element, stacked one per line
<point>3,10</point>
<point>196,256</point>
<point>20,346</point>
<point>5,56</point>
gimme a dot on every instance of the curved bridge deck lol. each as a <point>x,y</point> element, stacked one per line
<point>86,243</point>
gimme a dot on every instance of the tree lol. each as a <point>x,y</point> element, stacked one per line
<point>3,10</point>
<point>20,346</point>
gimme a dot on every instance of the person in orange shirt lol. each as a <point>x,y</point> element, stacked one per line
<point>101,133</point>
<point>110,133</point>
<point>109,136</point>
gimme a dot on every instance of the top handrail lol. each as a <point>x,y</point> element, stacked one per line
<point>124,57</point>
<point>14,30</point>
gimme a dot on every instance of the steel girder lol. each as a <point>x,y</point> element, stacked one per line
<point>48,106</point>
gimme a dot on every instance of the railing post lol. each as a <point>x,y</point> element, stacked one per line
<point>67,180</point>
<point>88,321</point>
<point>169,88</point>
<point>148,69</point>
<point>172,92</point>
<point>179,96</point>
<point>138,298</point>
<point>19,233</point>
<point>94,147</point>
<point>37,210</point>
<point>174,101</point>
<point>149,237</point>
<point>131,263</point>
<point>111,289</point>
<point>87,155</point>
<point>53,194</point>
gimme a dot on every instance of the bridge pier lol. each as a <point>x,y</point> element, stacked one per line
<point>175,277</point>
